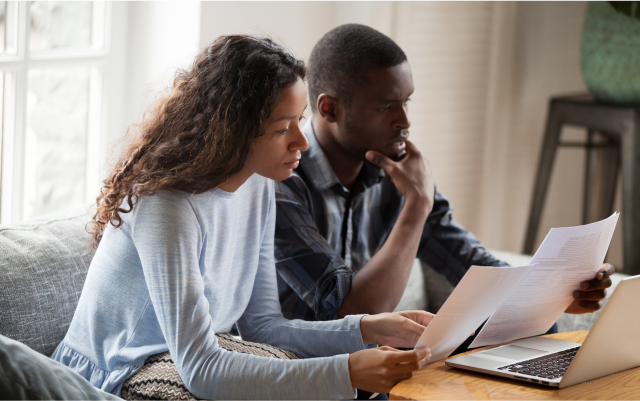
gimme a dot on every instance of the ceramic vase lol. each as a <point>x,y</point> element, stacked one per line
<point>611,52</point>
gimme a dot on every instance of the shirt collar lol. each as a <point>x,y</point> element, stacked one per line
<point>321,174</point>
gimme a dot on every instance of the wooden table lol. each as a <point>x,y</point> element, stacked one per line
<point>438,382</point>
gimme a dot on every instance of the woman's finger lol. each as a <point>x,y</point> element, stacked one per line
<point>413,327</point>
<point>419,316</point>
<point>409,356</point>
<point>413,366</point>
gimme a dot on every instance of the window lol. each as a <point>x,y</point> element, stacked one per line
<point>53,56</point>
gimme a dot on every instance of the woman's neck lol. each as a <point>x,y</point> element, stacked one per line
<point>235,181</point>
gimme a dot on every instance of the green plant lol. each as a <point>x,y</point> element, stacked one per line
<point>628,8</point>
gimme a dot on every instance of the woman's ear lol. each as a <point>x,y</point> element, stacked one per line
<point>328,107</point>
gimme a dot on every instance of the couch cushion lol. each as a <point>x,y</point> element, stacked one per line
<point>414,296</point>
<point>43,266</point>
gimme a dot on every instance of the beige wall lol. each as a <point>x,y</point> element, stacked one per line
<point>484,72</point>
<point>546,62</point>
<point>297,25</point>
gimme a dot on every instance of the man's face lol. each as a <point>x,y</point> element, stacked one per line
<point>376,118</point>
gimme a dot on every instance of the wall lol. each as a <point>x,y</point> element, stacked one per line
<point>448,45</point>
<point>484,72</point>
<point>545,62</point>
<point>162,37</point>
<point>297,25</point>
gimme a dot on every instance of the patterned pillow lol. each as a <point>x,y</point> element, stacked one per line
<point>159,379</point>
<point>43,266</point>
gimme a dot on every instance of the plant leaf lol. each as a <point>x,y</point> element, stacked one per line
<point>628,8</point>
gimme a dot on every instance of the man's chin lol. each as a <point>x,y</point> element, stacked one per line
<point>394,155</point>
<point>391,155</point>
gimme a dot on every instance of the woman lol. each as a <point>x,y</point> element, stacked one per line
<point>184,235</point>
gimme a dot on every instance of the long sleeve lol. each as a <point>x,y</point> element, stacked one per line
<point>305,260</point>
<point>263,320</point>
<point>169,240</point>
<point>448,247</point>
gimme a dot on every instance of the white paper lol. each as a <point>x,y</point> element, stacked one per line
<point>480,292</point>
<point>566,257</point>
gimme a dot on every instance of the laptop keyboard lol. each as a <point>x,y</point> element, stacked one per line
<point>551,366</point>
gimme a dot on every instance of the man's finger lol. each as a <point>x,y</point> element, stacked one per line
<point>605,271</point>
<point>595,295</point>
<point>591,305</point>
<point>594,284</point>
<point>379,160</point>
<point>411,148</point>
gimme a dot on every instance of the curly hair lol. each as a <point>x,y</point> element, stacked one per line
<point>201,134</point>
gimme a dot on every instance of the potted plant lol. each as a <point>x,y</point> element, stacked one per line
<point>611,51</point>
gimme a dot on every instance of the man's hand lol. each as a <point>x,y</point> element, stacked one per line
<point>398,329</point>
<point>412,175</point>
<point>379,369</point>
<point>589,298</point>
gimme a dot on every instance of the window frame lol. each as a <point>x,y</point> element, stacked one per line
<point>15,68</point>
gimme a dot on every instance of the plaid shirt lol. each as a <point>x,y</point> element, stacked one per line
<point>326,233</point>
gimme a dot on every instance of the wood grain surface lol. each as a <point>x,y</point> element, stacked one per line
<point>438,382</point>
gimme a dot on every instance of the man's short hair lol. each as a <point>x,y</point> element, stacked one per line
<point>339,62</point>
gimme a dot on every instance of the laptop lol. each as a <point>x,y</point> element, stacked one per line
<point>612,345</point>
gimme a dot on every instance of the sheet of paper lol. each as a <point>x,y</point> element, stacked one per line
<point>475,298</point>
<point>566,257</point>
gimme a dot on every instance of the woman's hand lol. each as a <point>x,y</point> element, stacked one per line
<point>379,369</point>
<point>398,329</point>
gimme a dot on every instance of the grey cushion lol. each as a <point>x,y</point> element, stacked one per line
<point>414,296</point>
<point>43,266</point>
<point>27,375</point>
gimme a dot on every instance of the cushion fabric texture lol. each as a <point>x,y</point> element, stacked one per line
<point>43,266</point>
<point>28,375</point>
<point>159,379</point>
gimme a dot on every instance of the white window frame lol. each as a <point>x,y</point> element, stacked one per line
<point>15,67</point>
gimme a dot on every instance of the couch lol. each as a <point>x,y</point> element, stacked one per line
<point>44,262</point>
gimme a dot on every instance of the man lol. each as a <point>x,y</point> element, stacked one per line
<point>352,219</point>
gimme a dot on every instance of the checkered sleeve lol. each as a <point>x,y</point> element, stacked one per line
<point>447,247</point>
<point>305,261</point>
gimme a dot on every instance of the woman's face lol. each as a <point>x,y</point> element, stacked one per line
<point>276,153</point>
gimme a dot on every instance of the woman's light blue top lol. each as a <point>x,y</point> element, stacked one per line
<point>180,269</point>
